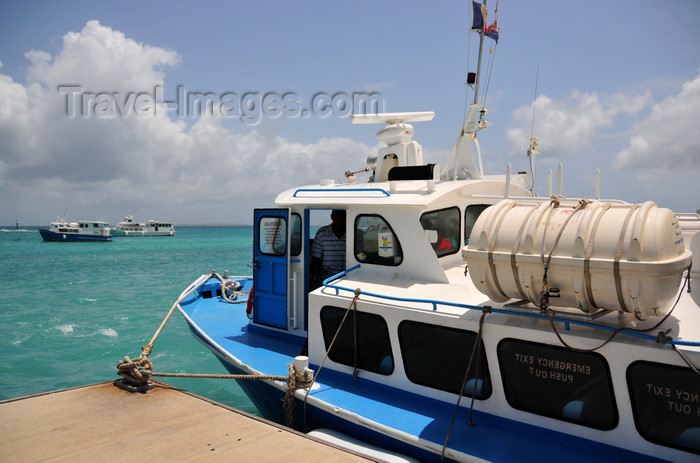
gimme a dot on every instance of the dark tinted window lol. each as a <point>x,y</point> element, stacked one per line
<point>437,356</point>
<point>558,383</point>
<point>442,228</point>
<point>295,243</point>
<point>666,404</point>
<point>470,215</point>
<point>372,349</point>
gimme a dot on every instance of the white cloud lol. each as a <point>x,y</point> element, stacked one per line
<point>653,141</point>
<point>101,58</point>
<point>668,140</point>
<point>566,127</point>
<point>214,171</point>
<point>109,165</point>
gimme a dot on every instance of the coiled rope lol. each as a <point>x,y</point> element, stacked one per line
<point>230,290</point>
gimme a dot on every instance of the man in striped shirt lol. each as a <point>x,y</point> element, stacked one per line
<point>328,249</point>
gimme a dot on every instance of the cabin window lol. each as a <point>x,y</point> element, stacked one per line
<point>437,357</point>
<point>470,215</point>
<point>558,383</point>
<point>272,235</point>
<point>666,404</point>
<point>442,229</point>
<point>376,242</point>
<point>372,351</point>
<point>295,244</point>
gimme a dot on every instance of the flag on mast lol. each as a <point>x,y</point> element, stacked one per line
<point>479,21</point>
<point>492,31</point>
<point>479,15</point>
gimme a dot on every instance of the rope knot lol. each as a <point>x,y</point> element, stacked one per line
<point>296,380</point>
<point>136,372</point>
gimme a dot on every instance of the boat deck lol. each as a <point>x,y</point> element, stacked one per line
<point>101,422</point>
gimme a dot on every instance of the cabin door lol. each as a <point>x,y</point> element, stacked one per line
<point>270,266</point>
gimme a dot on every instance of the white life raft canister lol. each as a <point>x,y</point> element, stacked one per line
<point>597,255</point>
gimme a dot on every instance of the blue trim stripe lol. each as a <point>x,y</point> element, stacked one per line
<point>436,302</point>
<point>341,190</point>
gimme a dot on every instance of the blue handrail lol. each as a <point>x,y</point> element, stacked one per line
<point>344,190</point>
<point>435,303</point>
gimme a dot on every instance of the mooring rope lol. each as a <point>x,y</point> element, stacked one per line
<point>476,350</point>
<point>296,380</point>
<point>352,306</point>
<point>219,376</point>
<point>137,372</point>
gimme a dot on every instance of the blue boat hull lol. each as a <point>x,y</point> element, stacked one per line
<point>388,414</point>
<point>48,235</point>
<point>524,443</point>
<point>269,402</point>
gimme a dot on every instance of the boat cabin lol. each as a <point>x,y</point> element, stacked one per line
<point>420,323</point>
<point>84,227</point>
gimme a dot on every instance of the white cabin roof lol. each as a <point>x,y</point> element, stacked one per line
<point>417,193</point>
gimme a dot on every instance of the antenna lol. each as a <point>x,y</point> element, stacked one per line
<point>532,150</point>
<point>534,100</point>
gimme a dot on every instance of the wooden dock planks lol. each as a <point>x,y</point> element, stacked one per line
<point>103,423</point>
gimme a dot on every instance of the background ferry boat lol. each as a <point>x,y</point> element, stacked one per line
<point>151,228</point>
<point>474,321</point>
<point>82,230</point>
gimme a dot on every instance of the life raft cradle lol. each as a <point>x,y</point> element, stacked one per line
<point>586,255</point>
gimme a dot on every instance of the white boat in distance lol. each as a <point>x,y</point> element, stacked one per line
<point>151,228</point>
<point>82,230</point>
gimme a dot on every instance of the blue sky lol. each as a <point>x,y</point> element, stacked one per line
<point>618,89</point>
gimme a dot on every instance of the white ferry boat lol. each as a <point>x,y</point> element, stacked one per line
<point>82,230</point>
<point>151,228</point>
<point>473,321</point>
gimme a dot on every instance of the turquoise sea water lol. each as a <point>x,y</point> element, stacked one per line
<point>70,311</point>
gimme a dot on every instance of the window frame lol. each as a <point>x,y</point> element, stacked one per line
<point>453,249</point>
<point>372,330</point>
<point>440,383</point>
<point>661,402</point>
<point>282,236</point>
<point>542,388</point>
<point>374,258</point>
<point>468,224</point>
